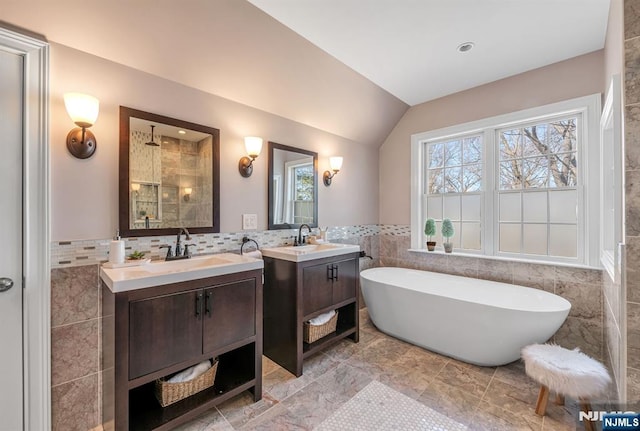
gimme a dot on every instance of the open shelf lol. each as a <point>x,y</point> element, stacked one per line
<point>236,373</point>
<point>147,414</point>
<point>310,349</point>
<point>338,306</point>
<point>345,327</point>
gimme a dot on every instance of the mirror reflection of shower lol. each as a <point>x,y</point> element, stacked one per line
<point>167,163</point>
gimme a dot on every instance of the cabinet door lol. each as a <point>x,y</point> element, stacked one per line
<point>345,280</point>
<point>164,331</point>
<point>230,314</point>
<point>316,288</point>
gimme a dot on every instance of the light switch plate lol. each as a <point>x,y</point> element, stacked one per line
<point>249,221</point>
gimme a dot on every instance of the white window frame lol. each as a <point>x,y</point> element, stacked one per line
<point>588,177</point>
<point>289,181</point>
<point>480,192</point>
<point>612,173</point>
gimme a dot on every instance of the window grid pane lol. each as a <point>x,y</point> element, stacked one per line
<point>454,172</point>
<point>464,211</point>
<point>523,153</point>
<point>537,159</point>
<point>454,166</point>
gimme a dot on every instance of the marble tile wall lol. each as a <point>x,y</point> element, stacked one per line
<point>613,340</point>
<point>75,348</point>
<point>632,193</point>
<point>582,287</point>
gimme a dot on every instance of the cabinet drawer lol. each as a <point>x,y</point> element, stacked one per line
<point>230,314</point>
<point>164,331</point>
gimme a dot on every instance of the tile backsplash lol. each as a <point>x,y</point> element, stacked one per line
<point>86,252</point>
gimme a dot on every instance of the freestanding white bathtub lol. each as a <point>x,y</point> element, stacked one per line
<point>477,321</point>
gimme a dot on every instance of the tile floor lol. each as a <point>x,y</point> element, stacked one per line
<point>497,398</point>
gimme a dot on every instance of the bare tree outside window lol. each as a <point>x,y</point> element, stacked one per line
<point>304,183</point>
<point>303,194</point>
<point>539,156</point>
<point>455,166</point>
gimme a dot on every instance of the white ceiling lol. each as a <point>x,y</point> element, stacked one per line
<point>408,47</point>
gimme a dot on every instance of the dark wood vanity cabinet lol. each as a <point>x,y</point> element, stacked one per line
<point>295,292</point>
<point>154,332</point>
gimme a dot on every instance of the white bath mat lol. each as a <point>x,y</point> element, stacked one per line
<point>379,408</point>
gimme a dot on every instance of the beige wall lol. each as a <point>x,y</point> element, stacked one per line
<point>84,195</point>
<point>576,77</point>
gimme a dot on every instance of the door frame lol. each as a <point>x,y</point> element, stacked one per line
<point>36,228</point>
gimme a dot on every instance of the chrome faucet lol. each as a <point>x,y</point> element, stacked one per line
<point>179,252</point>
<point>300,238</point>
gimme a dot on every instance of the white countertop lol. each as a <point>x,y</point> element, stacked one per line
<point>309,252</point>
<point>162,272</point>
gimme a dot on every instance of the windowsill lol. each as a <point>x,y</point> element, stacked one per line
<point>506,259</point>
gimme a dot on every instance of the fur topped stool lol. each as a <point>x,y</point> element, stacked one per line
<point>565,372</point>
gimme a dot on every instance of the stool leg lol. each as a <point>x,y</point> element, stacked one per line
<point>559,399</point>
<point>543,397</point>
<point>585,406</point>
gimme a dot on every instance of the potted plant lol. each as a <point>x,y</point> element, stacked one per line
<point>447,233</point>
<point>429,231</point>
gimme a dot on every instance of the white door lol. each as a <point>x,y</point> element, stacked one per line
<point>11,329</point>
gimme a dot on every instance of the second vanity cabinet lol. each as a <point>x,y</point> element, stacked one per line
<point>295,292</point>
<point>157,331</point>
<point>328,283</point>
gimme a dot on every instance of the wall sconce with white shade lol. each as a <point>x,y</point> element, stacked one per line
<point>187,194</point>
<point>336,164</point>
<point>83,110</point>
<point>135,187</point>
<point>253,146</point>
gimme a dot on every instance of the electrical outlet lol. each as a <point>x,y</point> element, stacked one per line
<point>249,221</point>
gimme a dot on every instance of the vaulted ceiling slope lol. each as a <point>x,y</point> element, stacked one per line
<point>408,47</point>
<point>229,48</point>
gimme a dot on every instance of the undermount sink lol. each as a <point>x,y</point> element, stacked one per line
<point>309,252</point>
<point>165,272</point>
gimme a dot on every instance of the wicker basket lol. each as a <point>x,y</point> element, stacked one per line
<point>169,393</point>
<point>313,333</point>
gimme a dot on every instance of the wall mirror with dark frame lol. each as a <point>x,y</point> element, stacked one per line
<point>169,175</point>
<point>293,187</point>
